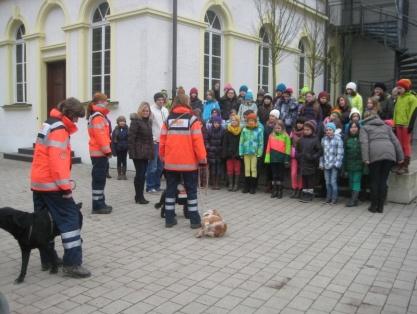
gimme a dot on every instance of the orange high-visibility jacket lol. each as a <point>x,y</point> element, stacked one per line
<point>181,145</point>
<point>51,165</point>
<point>99,132</point>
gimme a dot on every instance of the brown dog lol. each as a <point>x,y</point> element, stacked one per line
<point>212,225</point>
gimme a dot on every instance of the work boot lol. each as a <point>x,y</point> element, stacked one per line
<point>102,211</point>
<point>353,201</point>
<point>246,186</point>
<point>252,185</point>
<point>280,190</point>
<point>171,224</point>
<point>119,173</point>
<point>230,183</point>
<point>76,271</point>
<point>236,184</point>
<point>403,168</point>
<point>124,177</point>
<point>274,192</point>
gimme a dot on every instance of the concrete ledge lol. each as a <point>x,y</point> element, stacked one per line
<point>403,189</point>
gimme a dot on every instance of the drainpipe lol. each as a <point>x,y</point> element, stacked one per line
<point>174,47</point>
<point>326,39</point>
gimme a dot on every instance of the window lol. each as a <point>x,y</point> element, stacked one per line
<point>212,51</point>
<point>301,65</point>
<point>263,61</point>
<point>100,50</point>
<point>20,66</point>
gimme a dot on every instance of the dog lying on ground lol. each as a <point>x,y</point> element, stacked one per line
<point>212,225</point>
<point>180,199</point>
<point>32,231</point>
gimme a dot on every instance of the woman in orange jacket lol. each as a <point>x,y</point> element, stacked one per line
<point>182,149</point>
<point>100,151</point>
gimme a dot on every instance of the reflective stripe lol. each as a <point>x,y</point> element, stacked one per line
<point>52,143</point>
<point>192,208</point>
<point>96,126</point>
<point>97,198</point>
<point>56,125</point>
<point>169,207</point>
<point>96,153</point>
<point>72,244</point>
<point>164,131</point>
<point>106,148</point>
<point>98,191</point>
<point>169,200</point>
<point>70,234</point>
<point>179,132</point>
<point>192,201</point>
<point>181,166</point>
<point>63,181</point>
<point>49,185</point>
<point>196,132</point>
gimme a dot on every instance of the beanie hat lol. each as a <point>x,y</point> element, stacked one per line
<point>158,95</point>
<point>267,95</point>
<point>352,86</point>
<point>324,94</point>
<point>353,111</point>
<point>243,88</point>
<point>311,124</point>
<point>331,125</point>
<point>289,90</point>
<point>252,116</point>
<point>404,83</point>
<point>249,95</point>
<point>305,90</point>
<point>281,87</point>
<point>227,87</point>
<point>381,86</point>
<point>194,90</point>
<point>275,113</point>
<point>261,92</point>
<point>217,119</point>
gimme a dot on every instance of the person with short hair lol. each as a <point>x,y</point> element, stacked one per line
<point>119,146</point>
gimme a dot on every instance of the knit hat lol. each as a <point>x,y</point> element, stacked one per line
<point>404,83</point>
<point>281,87</point>
<point>275,113</point>
<point>157,96</point>
<point>249,95</point>
<point>227,87</point>
<point>381,86</point>
<point>217,119</point>
<point>311,124</point>
<point>324,94</point>
<point>304,90</point>
<point>289,91</point>
<point>261,92</point>
<point>352,86</point>
<point>194,90</point>
<point>252,116</point>
<point>331,125</point>
<point>353,111</point>
<point>267,95</point>
<point>243,88</point>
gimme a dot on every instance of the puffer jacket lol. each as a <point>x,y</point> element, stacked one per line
<point>230,145</point>
<point>140,140</point>
<point>226,105</point>
<point>405,110</point>
<point>353,157</point>
<point>332,152</point>
<point>251,142</point>
<point>214,144</point>
<point>308,152</point>
<point>378,142</point>
<point>119,140</point>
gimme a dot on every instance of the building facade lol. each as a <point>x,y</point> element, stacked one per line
<point>52,49</point>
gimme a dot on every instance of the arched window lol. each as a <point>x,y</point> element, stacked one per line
<point>212,50</point>
<point>100,50</point>
<point>301,65</point>
<point>263,61</point>
<point>20,65</point>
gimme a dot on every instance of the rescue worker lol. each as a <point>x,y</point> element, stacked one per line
<point>51,184</point>
<point>100,151</point>
<point>182,149</point>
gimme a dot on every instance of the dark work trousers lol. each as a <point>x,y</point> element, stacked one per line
<point>66,217</point>
<point>122,159</point>
<point>277,170</point>
<point>378,173</point>
<point>98,173</point>
<point>190,184</point>
<point>140,167</point>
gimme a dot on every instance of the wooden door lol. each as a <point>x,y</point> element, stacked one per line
<point>55,83</point>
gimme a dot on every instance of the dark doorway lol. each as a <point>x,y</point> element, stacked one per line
<point>55,83</point>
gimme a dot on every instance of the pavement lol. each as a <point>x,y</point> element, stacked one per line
<point>279,256</point>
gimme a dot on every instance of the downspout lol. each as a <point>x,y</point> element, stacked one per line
<point>174,47</point>
<point>326,39</point>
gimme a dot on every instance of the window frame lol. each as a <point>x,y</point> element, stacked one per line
<point>20,42</point>
<point>264,45</point>
<point>212,31</point>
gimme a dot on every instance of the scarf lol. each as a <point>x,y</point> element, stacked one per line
<point>235,130</point>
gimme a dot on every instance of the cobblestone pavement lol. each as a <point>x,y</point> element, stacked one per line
<point>279,256</point>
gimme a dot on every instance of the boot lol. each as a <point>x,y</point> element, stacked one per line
<point>124,177</point>
<point>216,183</point>
<point>280,190</point>
<point>230,183</point>
<point>139,197</point>
<point>76,271</point>
<point>236,185</point>
<point>381,201</point>
<point>353,199</point>
<point>252,185</point>
<point>274,192</point>
<point>246,186</point>
<point>294,194</point>
<point>268,186</point>
<point>403,168</point>
<point>306,197</point>
<point>119,173</point>
<point>299,193</point>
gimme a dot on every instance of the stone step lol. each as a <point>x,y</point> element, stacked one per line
<point>403,189</point>
<point>29,158</point>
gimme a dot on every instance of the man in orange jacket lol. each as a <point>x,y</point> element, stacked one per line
<point>182,149</point>
<point>51,182</point>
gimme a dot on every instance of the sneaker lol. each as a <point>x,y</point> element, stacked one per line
<point>152,191</point>
<point>76,271</point>
<point>172,224</point>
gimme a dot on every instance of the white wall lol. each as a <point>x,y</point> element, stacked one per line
<point>53,32</point>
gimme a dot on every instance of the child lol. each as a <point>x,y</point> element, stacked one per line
<point>331,161</point>
<point>343,106</point>
<point>311,109</point>
<point>119,146</point>
<point>308,152</point>
<point>214,149</point>
<point>296,181</point>
<point>372,105</point>
<point>214,113</point>
<point>248,104</point>
<point>354,116</point>
<point>250,148</point>
<point>288,108</point>
<point>231,152</point>
<point>278,155</point>
<point>268,128</point>
<point>209,104</point>
<point>353,162</point>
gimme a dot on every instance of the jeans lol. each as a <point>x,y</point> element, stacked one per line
<point>140,167</point>
<point>379,172</point>
<point>190,183</point>
<point>330,176</point>
<point>98,173</point>
<point>154,171</point>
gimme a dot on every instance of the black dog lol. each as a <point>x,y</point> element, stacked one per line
<point>32,231</point>
<point>180,199</point>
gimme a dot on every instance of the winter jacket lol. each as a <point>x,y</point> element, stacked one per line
<point>181,145</point>
<point>386,107</point>
<point>356,102</point>
<point>308,152</point>
<point>311,111</point>
<point>214,144</point>
<point>353,157</point>
<point>326,108</point>
<point>196,103</point>
<point>208,107</point>
<point>378,142</point>
<point>332,152</point>
<point>251,142</point>
<point>245,107</point>
<point>230,145</point>
<point>405,110</point>
<point>288,112</point>
<point>278,148</point>
<point>119,140</point>
<point>140,139</point>
<point>263,113</point>
<point>226,105</point>
<point>99,132</point>
<point>158,117</point>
